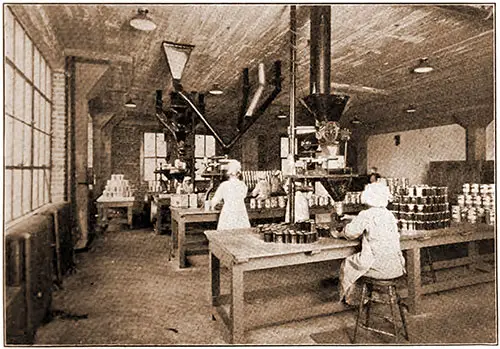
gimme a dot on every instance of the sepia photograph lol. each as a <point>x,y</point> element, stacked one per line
<point>258,174</point>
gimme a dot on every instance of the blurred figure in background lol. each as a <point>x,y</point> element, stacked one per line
<point>262,189</point>
<point>232,192</point>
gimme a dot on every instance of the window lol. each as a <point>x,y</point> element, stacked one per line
<point>28,110</point>
<point>204,146</point>
<point>154,153</point>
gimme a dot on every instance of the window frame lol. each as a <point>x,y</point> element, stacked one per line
<point>25,160</point>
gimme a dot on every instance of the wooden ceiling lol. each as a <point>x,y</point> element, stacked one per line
<point>374,48</point>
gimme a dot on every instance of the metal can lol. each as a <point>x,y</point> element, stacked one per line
<point>253,203</point>
<point>259,203</point>
<point>281,201</point>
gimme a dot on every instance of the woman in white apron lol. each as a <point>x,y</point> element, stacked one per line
<point>380,256</point>
<point>233,192</point>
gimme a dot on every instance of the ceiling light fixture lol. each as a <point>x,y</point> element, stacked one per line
<point>282,114</point>
<point>423,66</point>
<point>411,109</point>
<point>141,21</point>
<point>130,103</point>
<point>356,121</point>
<point>215,90</point>
<point>177,56</point>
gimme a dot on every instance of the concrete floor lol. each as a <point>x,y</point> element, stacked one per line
<point>133,295</point>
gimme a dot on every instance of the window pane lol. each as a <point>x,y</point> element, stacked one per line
<point>284,147</point>
<point>199,146</point>
<point>26,191</point>
<point>17,149</point>
<point>8,195</point>
<point>27,146</point>
<point>28,95</point>
<point>149,168</point>
<point>40,188</point>
<point>35,189</point>
<point>28,58</point>
<point>19,46</point>
<point>45,186</point>
<point>41,125</point>
<point>9,89</point>
<point>48,84</point>
<point>47,150</point>
<point>9,139</point>
<point>210,146</point>
<point>42,75</point>
<point>47,117</point>
<point>161,146</point>
<point>149,144</point>
<point>16,193</point>
<point>19,96</point>
<point>9,34</point>
<point>36,68</point>
<point>36,148</point>
<point>36,110</point>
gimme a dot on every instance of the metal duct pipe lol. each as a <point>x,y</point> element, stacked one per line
<point>320,59</point>
<point>258,93</point>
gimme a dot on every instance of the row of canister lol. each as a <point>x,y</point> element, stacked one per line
<point>394,206</point>
<point>422,217</point>
<point>476,188</point>
<point>404,225</point>
<point>486,201</point>
<point>272,202</point>
<point>289,236</point>
<point>418,200</point>
<point>425,190</point>
<point>353,197</point>
<point>473,214</point>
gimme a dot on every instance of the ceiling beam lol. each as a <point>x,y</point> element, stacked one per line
<point>104,56</point>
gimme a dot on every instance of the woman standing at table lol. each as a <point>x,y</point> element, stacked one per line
<point>380,256</point>
<point>233,192</point>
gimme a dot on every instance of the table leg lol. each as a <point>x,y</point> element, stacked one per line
<point>473,253</point>
<point>214,278</point>
<point>237,306</point>
<point>129,216</point>
<point>181,248</point>
<point>414,280</point>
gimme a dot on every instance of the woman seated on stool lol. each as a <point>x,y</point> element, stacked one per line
<point>380,256</point>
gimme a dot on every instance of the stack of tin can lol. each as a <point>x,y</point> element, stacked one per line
<point>298,233</point>
<point>421,207</point>
<point>476,204</point>
<point>352,197</point>
<point>398,186</point>
<point>272,202</point>
<point>316,200</point>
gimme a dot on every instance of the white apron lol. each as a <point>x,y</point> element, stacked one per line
<point>234,212</point>
<point>380,255</point>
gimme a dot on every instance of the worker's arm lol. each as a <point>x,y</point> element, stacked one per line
<point>356,227</point>
<point>217,198</point>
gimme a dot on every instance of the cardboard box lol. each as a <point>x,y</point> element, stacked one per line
<point>193,200</point>
<point>180,200</point>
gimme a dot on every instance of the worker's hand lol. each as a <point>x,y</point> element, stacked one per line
<point>334,233</point>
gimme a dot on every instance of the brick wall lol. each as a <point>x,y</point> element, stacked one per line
<point>58,136</point>
<point>126,156</point>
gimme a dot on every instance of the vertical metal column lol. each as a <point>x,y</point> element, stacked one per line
<point>291,135</point>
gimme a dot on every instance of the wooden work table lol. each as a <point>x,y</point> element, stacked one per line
<point>103,204</point>
<point>243,250</point>
<point>182,216</point>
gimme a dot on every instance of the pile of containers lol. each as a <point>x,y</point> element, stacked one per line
<point>272,202</point>
<point>116,188</point>
<point>421,207</point>
<point>476,204</point>
<point>298,233</point>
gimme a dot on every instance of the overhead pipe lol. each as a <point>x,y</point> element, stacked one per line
<point>319,82</point>
<point>258,112</point>
<point>246,94</point>
<point>258,93</point>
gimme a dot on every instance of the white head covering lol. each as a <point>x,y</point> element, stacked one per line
<point>233,167</point>
<point>376,195</point>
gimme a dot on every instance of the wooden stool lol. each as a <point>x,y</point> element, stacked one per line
<point>387,294</point>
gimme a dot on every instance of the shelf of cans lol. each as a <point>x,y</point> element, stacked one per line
<point>476,204</point>
<point>420,207</point>
<point>298,233</point>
